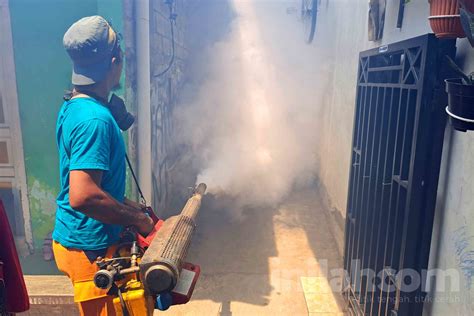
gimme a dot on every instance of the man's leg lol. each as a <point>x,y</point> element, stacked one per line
<point>100,307</point>
<point>74,263</point>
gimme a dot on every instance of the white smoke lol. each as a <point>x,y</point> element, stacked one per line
<point>249,117</point>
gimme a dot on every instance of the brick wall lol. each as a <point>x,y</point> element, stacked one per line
<point>165,88</point>
<point>164,92</point>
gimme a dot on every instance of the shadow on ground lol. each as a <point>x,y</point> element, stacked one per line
<point>254,264</point>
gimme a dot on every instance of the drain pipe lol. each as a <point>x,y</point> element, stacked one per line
<point>142,35</point>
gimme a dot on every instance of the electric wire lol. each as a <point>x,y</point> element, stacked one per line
<point>172,19</point>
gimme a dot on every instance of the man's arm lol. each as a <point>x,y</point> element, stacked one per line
<point>86,196</point>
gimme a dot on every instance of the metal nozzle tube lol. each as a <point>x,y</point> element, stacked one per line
<point>162,262</point>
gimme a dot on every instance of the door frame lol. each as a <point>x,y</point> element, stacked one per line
<point>10,97</point>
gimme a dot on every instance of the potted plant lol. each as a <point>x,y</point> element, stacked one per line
<point>460,99</point>
<point>445,19</point>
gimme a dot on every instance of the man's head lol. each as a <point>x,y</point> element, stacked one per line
<point>94,48</point>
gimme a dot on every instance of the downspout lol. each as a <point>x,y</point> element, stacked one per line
<point>143,97</point>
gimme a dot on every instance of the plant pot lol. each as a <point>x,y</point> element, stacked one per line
<point>460,104</point>
<point>444,18</point>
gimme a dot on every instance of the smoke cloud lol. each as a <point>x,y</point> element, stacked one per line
<point>246,115</point>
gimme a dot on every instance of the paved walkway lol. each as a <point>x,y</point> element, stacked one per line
<point>271,261</point>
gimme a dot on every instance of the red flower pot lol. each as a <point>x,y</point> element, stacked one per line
<point>444,20</point>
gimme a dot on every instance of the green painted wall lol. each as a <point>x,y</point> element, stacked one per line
<point>43,72</point>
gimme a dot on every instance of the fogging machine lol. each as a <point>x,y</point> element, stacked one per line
<point>150,272</point>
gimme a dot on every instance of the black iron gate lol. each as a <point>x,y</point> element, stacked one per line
<point>397,143</point>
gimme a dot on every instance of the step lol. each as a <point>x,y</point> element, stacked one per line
<point>50,295</point>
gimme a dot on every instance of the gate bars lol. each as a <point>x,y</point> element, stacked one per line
<point>396,153</point>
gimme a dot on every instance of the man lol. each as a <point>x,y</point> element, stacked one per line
<point>91,208</point>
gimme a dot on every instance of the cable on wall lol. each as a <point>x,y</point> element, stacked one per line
<point>172,19</point>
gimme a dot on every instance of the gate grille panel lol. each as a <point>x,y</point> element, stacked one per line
<point>397,143</point>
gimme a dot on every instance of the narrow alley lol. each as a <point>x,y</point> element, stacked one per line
<point>263,244</point>
<point>236,157</point>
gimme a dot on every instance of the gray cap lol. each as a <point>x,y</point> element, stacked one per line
<point>90,42</point>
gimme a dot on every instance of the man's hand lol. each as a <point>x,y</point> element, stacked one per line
<point>146,226</point>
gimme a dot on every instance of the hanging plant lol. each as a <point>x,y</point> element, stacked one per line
<point>467,21</point>
<point>460,98</point>
<point>445,19</point>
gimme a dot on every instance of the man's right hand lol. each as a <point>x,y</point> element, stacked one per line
<point>145,226</point>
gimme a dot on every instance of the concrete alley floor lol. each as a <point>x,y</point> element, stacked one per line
<point>257,265</point>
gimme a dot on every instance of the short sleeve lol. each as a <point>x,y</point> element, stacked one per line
<point>90,146</point>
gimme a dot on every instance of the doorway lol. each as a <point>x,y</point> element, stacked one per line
<point>13,190</point>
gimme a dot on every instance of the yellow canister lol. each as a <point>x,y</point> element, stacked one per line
<point>137,303</point>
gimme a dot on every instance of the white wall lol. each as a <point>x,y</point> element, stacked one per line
<point>341,34</point>
<point>452,245</point>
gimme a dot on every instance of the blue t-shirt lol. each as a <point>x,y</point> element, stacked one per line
<point>88,138</point>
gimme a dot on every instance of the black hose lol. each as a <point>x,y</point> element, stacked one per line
<point>122,302</point>
<point>136,180</point>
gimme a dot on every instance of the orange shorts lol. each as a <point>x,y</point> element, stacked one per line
<point>75,264</point>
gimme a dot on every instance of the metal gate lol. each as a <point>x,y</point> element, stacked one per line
<point>397,143</point>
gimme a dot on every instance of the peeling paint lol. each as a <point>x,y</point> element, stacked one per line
<point>44,197</point>
<point>464,251</point>
<point>42,208</point>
